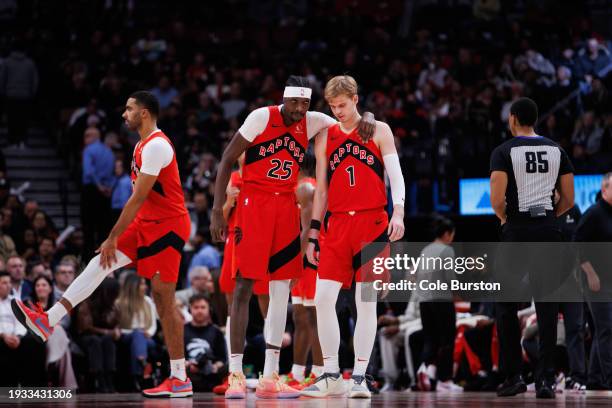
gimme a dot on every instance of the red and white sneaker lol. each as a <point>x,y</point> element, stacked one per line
<point>171,387</point>
<point>292,382</point>
<point>275,388</point>
<point>36,321</point>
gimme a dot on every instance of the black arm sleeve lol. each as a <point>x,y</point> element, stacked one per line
<point>566,166</point>
<point>499,160</point>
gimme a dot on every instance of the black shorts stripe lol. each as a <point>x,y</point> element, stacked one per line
<point>282,257</point>
<point>171,239</point>
<point>358,262</point>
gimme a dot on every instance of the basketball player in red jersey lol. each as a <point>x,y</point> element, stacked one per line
<point>305,336</point>
<point>267,237</point>
<point>226,282</point>
<point>355,194</point>
<point>150,232</point>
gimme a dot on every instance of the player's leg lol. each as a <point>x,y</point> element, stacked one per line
<point>317,354</point>
<point>368,227</point>
<point>40,324</point>
<point>302,338</point>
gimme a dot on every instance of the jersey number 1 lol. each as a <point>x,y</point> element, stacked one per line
<point>280,169</point>
<point>351,173</point>
<point>536,162</point>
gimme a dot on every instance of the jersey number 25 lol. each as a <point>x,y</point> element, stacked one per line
<point>280,169</point>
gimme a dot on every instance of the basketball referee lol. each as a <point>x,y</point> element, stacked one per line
<point>524,173</point>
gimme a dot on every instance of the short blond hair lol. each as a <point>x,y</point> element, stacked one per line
<point>341,85</point>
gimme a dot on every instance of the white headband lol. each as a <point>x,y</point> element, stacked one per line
<point>297,92</point>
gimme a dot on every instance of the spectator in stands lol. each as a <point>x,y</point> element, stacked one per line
<point>199,211</point>
<point>40,270</point>
<point>65,273</point>
<point>97,179</point>
<point>97,324</point>
<point>30,246</point>
<point>21,288</point>
<point>164,92</point>
<point>593,58</point>
<point>200,282</point>
<point>18,85</point>
<point>121,190</point>
<point>43,226</point>
<point>7,245</point>
<point>42,294</point>
<point>138,323</point>
<point>234,105</point>
<point>73,246</point>
<point>22,353</point>
<point>586,140</point>
<point>207,254</point>
<point>205,351</point>
<point>46,253</point>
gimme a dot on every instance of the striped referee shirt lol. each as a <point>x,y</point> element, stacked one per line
<point>534,165</point>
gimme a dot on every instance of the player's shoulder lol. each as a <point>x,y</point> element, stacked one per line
<point>263,111</point>
<point>383,127</point>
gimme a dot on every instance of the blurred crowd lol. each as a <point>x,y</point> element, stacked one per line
<point>443,76</point>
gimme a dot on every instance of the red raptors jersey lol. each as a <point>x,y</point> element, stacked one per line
<point>273,159</point>
<point>235,181</point>
<point>165,200</point>
<point>355,173</point>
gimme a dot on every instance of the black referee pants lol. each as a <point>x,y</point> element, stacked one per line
<point>508,327</point>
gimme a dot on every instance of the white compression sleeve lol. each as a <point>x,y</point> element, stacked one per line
<point>365,331</point>
<point>327,322</point>
<point>277,311</point>
<point>396,178</point>
<point>91,277</point>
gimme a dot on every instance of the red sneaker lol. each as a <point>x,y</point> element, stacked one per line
<point>171,387</point>
<point>221,388</point>
<point>36,321</point>
<point>274,388</point>
<point>308,381</point>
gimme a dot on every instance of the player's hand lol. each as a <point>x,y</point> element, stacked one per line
<point>396,227</point>
<point>367,126</point>
<point>593,282</point>
<point>218,225</point>
<point>312,251</point>
<point>108,252</point>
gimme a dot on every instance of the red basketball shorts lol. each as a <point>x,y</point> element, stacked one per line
<point>345,255</point>
<point>155,246</point>
<point>267,235</point>
<point>226,280</point>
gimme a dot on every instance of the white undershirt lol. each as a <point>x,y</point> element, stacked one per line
<point>257,121</point>
<point>156,155</point>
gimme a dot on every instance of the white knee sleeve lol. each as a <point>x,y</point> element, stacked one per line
<point>277,312</point>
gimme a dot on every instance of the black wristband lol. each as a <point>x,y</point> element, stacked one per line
<point>314,241</point>
<point>315,224</point>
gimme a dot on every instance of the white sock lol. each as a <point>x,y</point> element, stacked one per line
<point>272,357</point>
<point>56,313</point>
<point>177,369</point>
<point>297,371</point>
<point>227,336</point>
<point>84,285</point>
<point>317,370</point>
<point>327,322</point>
<point>431,371</point>
<point>235,363</point>
<point>365,331</point>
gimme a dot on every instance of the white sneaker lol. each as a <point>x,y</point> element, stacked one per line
<point>358,387</point>
<point>448,386</point>
<point>327,385</point>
